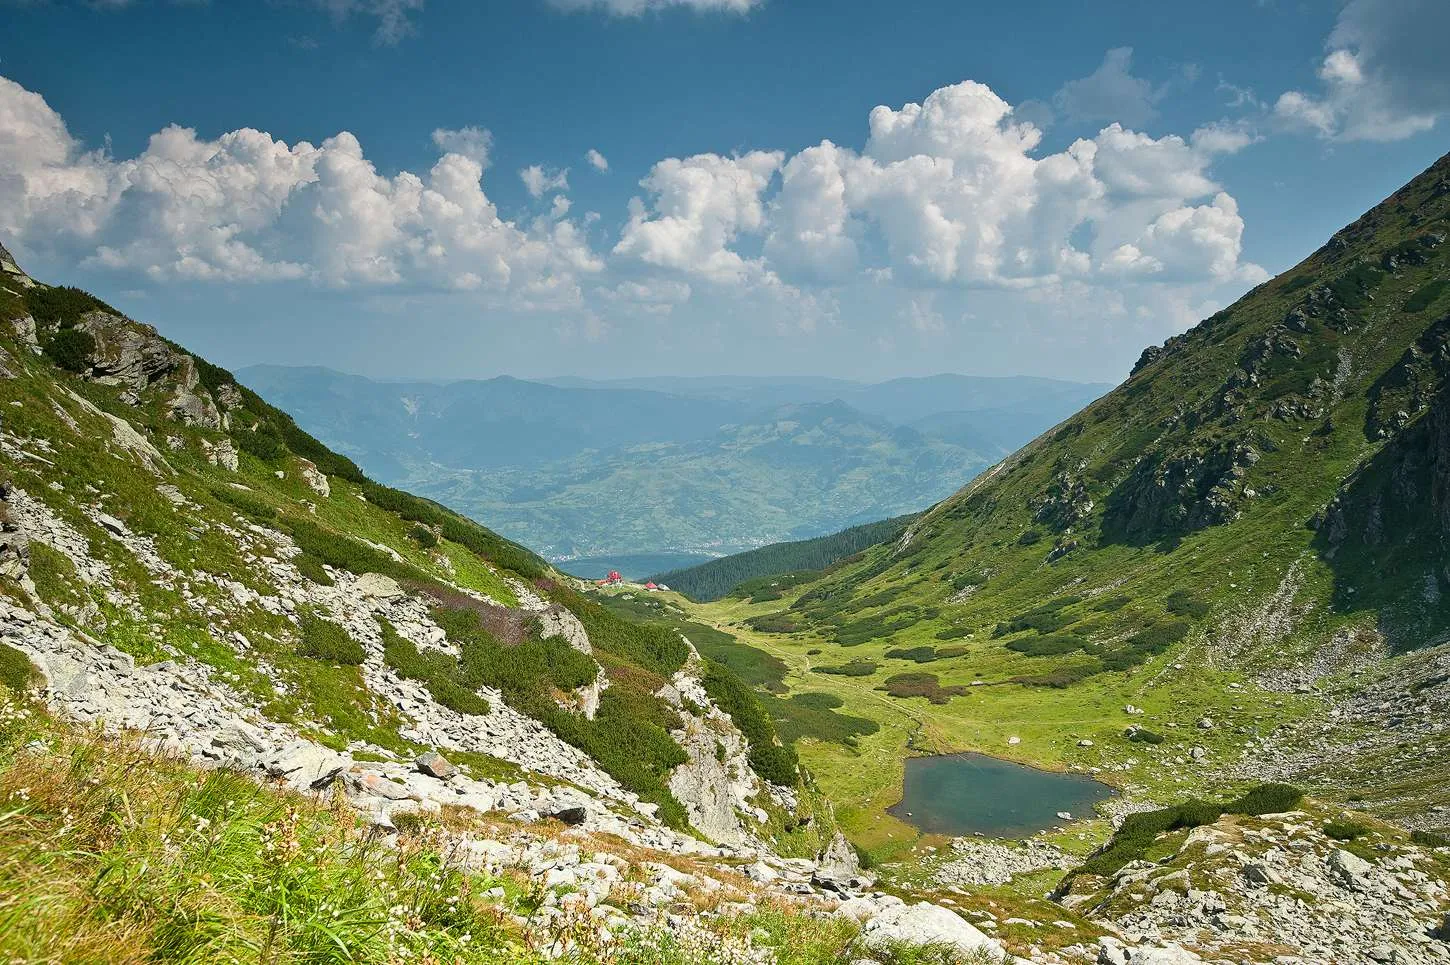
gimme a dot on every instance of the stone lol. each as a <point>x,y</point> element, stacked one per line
<point>315,479</point>
<point>1204,723</point>
<point>573,816</point>
<point>379,586</point>
<point>926,924</point>
<point>112,525</point>
<point>1084,743</point>
<point>435,764</point>
<point>1349,868</point>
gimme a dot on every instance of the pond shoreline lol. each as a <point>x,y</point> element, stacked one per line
<point>968,793</point>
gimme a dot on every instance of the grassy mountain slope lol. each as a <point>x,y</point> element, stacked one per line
<point>762,572</point>
<point>1253,525</point>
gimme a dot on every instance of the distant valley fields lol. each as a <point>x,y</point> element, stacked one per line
<point>670,469</point>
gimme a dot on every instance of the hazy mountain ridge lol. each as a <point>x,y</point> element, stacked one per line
<point>580,468</point>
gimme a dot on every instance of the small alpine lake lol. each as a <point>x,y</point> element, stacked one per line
<point>967,793</point>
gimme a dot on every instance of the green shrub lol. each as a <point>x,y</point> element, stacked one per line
<point>62,307</point>
<point>1342,830</point>
<point>1184,603</point>
<point>926,685</point>
<point>1052,645</point>
<point>437,671</point>
<point>16,670</point>
<point>774,762</point>
<point>423,536</point>
<point>1270,798</point>
<point>325,640</point>
<point>261,440</point>
<point>915,654</point>
<point>1138,831</point>
<point>656,647</point>
<point>70,349</point>
<point>774,623</point>
<point>311,567</point>
<point>814,715</point>
<point>954,633</point>
<point>1425,295</point>
<point>1429,839</point>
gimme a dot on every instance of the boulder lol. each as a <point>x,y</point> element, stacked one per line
<point>435,764</point>
<point>927,924</point>
<point>379,586</point>
<point>1350,869</point>
<point>573,816</point>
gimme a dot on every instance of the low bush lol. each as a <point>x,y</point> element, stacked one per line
<point>62,306</point>
<point>1342,830</point>
<point>1045,618</point>
<point>1425,295</point>
<point>16,670</point>
<point>1138,831</point>
<point>1272,798</point>
<point>324,640</point>
<point>1051,645</point>
<point>423,536</point>
<point>437,671</point>
<point>1185,603</point>
<point>1139,735</point>
<point>814,715</point>
<point>954,633</point>
<point>70,349</point>
<point>773,761</point>
<point>915,654</point>
<point>246,502</point>
<point>774,623</point>
<point>905,685</point>
<point>1429,839</point>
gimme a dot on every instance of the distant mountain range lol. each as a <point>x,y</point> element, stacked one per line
<point>578,468</point>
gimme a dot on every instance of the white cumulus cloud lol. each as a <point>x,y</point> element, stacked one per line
<point>245,207</point>
<point>1384,78</point>
<point>596,160</point>
<point>540,180</point>
<point>699,206</point>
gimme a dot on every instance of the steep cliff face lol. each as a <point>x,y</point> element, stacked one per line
<point>1386,533</point>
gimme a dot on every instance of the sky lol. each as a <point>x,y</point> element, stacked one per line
<point>612,188</point>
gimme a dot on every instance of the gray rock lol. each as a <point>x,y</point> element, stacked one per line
<point>435,764</point>
<point>574,816</point>
<point>926,924</point>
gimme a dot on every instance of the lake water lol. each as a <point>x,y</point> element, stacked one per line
<point>960,794</point>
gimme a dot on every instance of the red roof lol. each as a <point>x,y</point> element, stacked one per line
<point>649,586</point>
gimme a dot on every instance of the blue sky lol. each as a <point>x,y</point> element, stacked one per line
<point>1111,173</point>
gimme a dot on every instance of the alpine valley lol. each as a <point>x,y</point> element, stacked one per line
<point>260,707</point>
